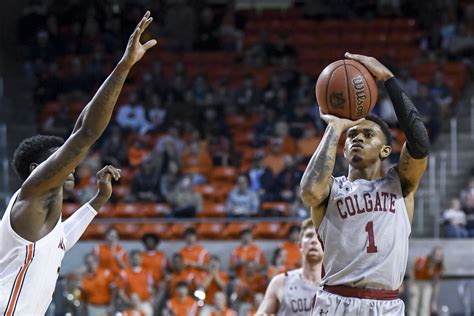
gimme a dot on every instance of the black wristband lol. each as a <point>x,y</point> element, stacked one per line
<point>410,120</point>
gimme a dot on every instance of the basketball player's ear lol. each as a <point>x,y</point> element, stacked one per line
<point>385,152</point>
<point>33,165</point>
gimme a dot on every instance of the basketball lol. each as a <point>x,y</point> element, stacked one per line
<point>346,89</point>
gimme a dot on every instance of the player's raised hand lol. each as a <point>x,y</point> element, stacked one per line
<point>135,50</point>
<point>340,124</point>
<point>104,181</point>
<point>376,68</point>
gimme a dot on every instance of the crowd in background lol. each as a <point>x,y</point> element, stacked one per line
<point>191,282</point>
<point>458,219</point>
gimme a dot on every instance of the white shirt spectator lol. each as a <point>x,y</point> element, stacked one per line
<point>131,116</point>
<point>455,217</point>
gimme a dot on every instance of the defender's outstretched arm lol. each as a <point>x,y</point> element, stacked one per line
<point>91,123</point>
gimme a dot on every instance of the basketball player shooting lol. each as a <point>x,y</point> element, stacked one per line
<point>33,239</point>
<point>364,219</point>
<point>292,292</point>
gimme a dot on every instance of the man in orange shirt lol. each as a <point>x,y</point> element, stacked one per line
<point>136,285</point>
<point>424,280</point>
<point>246,252</point>
<point>182,304</point>
<point>179,274</point>
<point>220,306</point>
<point>96,287</point>
<point>195,256</point>
<point>250,283</point>
<point>215,280</point>
<point>111,255</point>
<point>153,260</point>
<point>293,253</point>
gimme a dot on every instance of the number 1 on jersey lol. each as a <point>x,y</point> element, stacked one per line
<point>369,228</point>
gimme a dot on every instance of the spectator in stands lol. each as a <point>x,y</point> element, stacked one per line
<point>250,282</point>
<point>282,132</point>
<point>467,201</point>
<point>111,255</point>
<point>275,158</point>
<point>184,201</point>
<point>287,179</point>
<point>212,122</point>
<point>146,183</point>
<point>304,90</point>
<point>197,162</point>
<point>182,304</point>
<point>155,116</point>
<point>180,25</point>
<point>257,301</point>
<point>248,95</point>
<point>265,127</point>
<point>282,49</point>
<point>97,286</point>
<point>298,208</point>
<point>242,201</point>
<point>299,120</point>
<point>220,306</point>
<point>455,220</point>
<point>425,277</point>
<point>292,248</point>
<point>201,91</point>
<point>170,179</point>
<point>288,76</point>
<point>408,83</point>
<point>223,95</point>
<point>59,125</point>
<point>131,116</point>
<point>261,178</point>
<point>170,144</point>
<point>136,285</point>
<point>178,274</point>
<point>306,144</point>
<point>429,110</point>
<point>214,280</point>
<point>220,148</point>
<point>441,93</point>
<point>113,152</point>
<point>259,54</point>
<point>208,34</point>
<point>195,256</point>
<point>278,263</point>
<point>247,251</point>
<point>230,34</point>
<point>153,260</point>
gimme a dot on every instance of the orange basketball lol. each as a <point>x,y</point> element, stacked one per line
<point>346,89</point>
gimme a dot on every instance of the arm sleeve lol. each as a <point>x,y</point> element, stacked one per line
<point>75,225</point>
<point>410,120</point>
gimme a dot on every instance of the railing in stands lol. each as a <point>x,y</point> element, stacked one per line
<point>454,145</point>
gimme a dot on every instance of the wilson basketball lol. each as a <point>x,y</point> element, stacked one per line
<point>346,89</point>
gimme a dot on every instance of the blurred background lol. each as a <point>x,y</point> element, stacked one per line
<point>213,130</point>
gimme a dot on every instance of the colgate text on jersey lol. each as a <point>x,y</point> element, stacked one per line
<point>376,202</point>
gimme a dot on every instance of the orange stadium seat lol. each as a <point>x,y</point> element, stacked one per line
<point>210,230</point>
<point>160,229</point>
<point>268,230</point>
<point>155,209</point>
<point>106,211</point>
<point>210,193</point>
<point>129,210</point>
<point>224,174</point>
<point>120,191</point>
<point>95,231</point>
<point>232,231</point>
<point>129,231</point>
<point>177,229</point>
<point>211,209</point>
<point>281,207</point>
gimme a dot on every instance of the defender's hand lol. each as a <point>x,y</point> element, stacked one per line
<point>104,181</point>
<point>340,124</point>
<point>376,68</point>
<point>135,50</point>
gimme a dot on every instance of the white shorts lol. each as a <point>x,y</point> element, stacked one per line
<point>328,304</point>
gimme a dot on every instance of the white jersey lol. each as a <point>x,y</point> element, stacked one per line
<point>28,270</point>
<point>297,295</point>
<point>365,233</point>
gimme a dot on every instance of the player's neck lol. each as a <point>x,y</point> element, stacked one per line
<point>311,272</point>
<point>370,173</point>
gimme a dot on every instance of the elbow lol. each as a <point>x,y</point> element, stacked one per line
<point>310,197</point>
<point>86,135</point>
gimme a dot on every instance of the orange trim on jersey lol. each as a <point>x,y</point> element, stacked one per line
<point>18,284</point>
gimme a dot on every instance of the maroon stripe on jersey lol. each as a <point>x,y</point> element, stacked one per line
<point>348,291</point>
